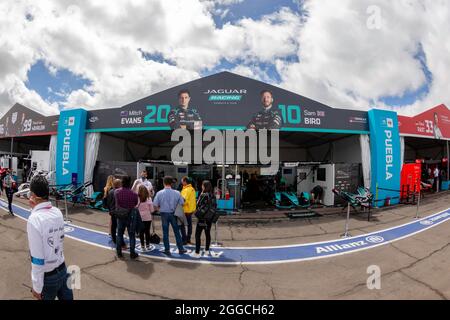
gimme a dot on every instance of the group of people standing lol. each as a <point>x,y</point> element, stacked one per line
<point>132,207</point>
<point>435,177</point>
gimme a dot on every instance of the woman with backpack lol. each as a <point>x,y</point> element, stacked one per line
<point>206,210</point>
<point>145,207</point>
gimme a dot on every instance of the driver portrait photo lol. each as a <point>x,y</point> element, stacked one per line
<point>20,128</point>
<point>268,118</point>
<point>184,116</point>
<point>437,131</point>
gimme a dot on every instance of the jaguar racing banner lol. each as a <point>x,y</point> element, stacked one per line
<point>228,101</point>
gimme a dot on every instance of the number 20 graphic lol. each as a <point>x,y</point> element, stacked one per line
<point>161,112</point>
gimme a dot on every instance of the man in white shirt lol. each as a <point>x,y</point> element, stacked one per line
<point>436,178</point>
<point>45,228</point>
<point>143,181</point>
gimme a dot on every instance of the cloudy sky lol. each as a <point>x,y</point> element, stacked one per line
<point>57,54</point>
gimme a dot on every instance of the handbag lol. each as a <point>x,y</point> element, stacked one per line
<point>181,217</point>
<point>210,215</point>
<point>213,216</point>
<point>122,213</point>
<point>154,238</point>
<point>200,213</point>
<point>119,212</point>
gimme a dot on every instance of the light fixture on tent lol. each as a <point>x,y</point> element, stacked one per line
<point>291,164</point>
<point>180,163</point>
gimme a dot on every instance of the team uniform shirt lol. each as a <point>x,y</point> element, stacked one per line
<point>45,229</point>
<point>147,183</point>
<point>183,117</point>
<point>269,119</point>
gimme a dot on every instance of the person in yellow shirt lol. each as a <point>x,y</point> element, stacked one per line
<point>189,207</point>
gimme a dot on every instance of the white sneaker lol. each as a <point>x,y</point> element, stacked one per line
<point>196,255</point>
<point>147,248</point>
<point>208,253</point>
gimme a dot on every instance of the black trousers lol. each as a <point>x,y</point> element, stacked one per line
<point>9,195</point>
<point>200,227</point>
<point>144,234</point>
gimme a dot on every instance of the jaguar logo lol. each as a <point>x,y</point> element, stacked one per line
<point>93,119</point>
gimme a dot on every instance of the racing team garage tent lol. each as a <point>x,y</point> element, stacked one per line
<point>309,130</point>
<point>425,137</point>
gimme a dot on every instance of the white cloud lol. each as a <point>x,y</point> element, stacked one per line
<point>213,5</point>
<point>16,58</point>
<point>99,41</point>
<point>253,72</point>
<point>346,64</point>
<point>272,36</point>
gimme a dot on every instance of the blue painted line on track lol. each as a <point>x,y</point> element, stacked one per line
<point>264,255</point>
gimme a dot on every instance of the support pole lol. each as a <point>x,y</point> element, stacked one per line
<point>66,220</point>
<point>137,170</point>
<point>235,187</point>
<point>448,162</point>
<point>215,244</point>
<point>12,148</point>
<point>376,195</point>
<point>418,205</point>
<point>346,234</point>
<point>223,165</point>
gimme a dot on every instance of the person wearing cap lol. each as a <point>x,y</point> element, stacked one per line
<point>45,229</point>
